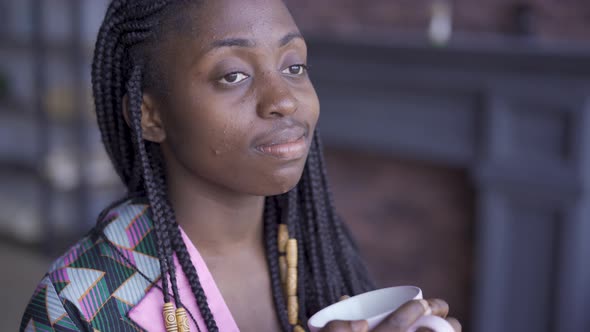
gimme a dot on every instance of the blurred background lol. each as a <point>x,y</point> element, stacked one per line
<point>456,133</point>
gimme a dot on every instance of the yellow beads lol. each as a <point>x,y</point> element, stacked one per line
<point>292,253</point>
<point>182,320</point>
<point>298,329</point>
<point>292,309</point>
<point>283,238</point>
<point>170,318</point>
<point>291,285</point>
<point>288,270</point>
<point>175,320</point>
<point>283,269</point>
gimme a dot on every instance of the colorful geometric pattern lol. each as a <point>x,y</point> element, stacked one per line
<point>91,288</point>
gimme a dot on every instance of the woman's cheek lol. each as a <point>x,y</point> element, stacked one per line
<point>229,136</point>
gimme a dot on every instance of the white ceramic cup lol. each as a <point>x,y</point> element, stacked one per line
<point>374,306</point>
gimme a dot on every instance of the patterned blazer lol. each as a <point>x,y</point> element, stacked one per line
<point>110,281</point>
<point>95,284</point>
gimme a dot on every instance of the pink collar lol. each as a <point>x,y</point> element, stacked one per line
<point>148,312</point>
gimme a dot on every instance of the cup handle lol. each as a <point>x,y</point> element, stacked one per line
<point>432,322</point>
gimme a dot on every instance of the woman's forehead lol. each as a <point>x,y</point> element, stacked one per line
<point>258,20</point>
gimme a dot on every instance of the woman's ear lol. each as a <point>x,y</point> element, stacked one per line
<point>152,127</point>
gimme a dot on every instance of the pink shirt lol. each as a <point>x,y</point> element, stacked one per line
<point>148,312</point>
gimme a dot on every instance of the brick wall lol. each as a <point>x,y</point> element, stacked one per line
<point>413,222</point>
<point>549,19</point>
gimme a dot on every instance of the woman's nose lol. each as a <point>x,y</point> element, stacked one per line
<point>276,98</point>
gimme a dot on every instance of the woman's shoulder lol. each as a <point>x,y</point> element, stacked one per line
<point>124,228</point>
<point>103,275</point>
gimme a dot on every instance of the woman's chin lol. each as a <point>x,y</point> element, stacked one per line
<point>277,185</point>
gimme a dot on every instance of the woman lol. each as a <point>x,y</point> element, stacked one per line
<point>208,115</point>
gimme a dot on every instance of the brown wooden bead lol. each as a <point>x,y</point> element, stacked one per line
<point>283,238</point>
<point>283,268</point>
<point>292,281</point>
<point>292,253</point>
<point>182,320</point>
<point>170,318</point>
<point>292,309</point>
<point>298,328</point>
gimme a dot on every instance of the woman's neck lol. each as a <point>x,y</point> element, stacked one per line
<point>217,220</point>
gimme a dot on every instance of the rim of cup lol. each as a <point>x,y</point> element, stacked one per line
<point>383,302</point>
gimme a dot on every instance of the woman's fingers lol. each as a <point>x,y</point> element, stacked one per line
<point>439,307</point>
<point>346,326</point>
<point>401,319</point>
<point>455,324</point>
<point>404,317</point>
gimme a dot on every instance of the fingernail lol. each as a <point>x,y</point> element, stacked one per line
<point>359,325</point>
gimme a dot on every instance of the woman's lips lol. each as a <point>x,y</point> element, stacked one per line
<point>287,143</point>
<point>286,151</point>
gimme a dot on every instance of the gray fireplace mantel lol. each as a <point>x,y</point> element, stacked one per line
<point>517,116</point>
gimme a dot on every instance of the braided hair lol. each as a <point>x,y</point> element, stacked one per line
<point>123,65</point>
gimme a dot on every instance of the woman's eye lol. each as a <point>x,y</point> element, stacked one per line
<point>233,78</point>
<point>295,70</point>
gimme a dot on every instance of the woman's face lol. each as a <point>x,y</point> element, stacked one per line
<point>240,110</point>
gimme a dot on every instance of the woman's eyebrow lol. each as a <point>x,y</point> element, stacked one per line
<point>232,42</point>
<point>249,43</point>
<point>289,37</point>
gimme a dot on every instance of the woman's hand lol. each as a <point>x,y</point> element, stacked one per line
<point>399,320</point>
